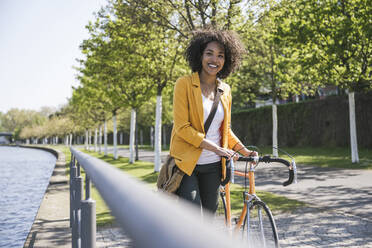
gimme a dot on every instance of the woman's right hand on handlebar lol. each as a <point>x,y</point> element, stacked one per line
<point>226,153</point>
<point>220,151</point>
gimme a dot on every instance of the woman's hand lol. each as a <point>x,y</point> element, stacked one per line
<point>226,153</point>
<point>244,151</point>
<point>220,151</point>
<point>253,154</point>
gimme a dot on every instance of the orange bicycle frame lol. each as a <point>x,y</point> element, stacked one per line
<point>252,191</point>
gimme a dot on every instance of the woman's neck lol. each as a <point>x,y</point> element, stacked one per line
<point>207,80</point>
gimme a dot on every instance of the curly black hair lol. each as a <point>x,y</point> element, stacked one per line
<point>234,49</point>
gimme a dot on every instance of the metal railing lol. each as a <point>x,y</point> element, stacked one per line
<point>151,219</point>
<point>82,212</point>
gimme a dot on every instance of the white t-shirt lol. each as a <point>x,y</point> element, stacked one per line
<point>213,133</point>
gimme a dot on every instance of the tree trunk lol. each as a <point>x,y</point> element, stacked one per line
<point>353,131</point>
<point>95,139</point>
<point>275,130</point>
<point>136,141</point>
<point>157,141</point>
<point>115,138</point>
<point>86,139</point>
<point>105,136</point>
<point>70,139</point>
<point>100,139</point>
<point>131,136</point>
<point>89,139</point>
<point>152,136</point>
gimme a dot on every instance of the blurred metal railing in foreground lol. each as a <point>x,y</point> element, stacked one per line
<point>151,219</point>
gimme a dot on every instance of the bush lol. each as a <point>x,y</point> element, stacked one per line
<point>310,123</point>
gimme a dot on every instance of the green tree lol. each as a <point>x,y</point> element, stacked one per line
<point>16,119</point>
<point>173,22</point>
<point>265,72</point>
<point>161,53</point>
<point>333,38</point>
<point>1,121</point>
<point>113,53</point>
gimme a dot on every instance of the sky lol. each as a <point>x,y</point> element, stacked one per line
<point>39,45</point>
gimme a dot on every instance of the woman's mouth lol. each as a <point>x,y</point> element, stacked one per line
<point>212,66</point>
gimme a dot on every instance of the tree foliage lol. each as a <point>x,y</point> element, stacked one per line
<point>331,40</point>
<point>16,119</point>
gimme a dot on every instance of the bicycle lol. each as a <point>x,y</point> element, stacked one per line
<point>258,223</point>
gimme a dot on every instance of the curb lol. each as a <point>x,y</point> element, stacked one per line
<point>51,224</point>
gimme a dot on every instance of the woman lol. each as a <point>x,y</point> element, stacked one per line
<point>212,55</point>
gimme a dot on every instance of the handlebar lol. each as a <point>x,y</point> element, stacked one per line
<point>266,159</point>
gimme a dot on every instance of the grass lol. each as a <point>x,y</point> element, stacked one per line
<point>327,157</point>
<point>145,172</point>
<point>277,204</point>
<point>142,170</point>
<point>103,216</point>
<point>320,156</point>
<point>331,157</point>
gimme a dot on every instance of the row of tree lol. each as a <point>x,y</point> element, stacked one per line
<point>15,119</point>
<point>134,54</point>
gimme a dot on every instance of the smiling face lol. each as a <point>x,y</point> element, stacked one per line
<point>213,58</point>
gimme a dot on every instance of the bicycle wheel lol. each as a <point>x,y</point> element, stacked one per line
<point>259,227</point>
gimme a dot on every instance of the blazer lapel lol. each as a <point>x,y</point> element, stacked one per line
<point>198,98</point>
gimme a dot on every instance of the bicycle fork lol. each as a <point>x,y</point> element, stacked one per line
<point>250,198</point>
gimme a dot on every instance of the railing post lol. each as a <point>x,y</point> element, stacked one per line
<point>76,228</point>
<point>88,218</point>
<point>72,175</point>
<point>74,218</point>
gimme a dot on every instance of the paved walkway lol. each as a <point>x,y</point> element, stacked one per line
<point>339,211</point>
<point>51,227</point>
<point>340,206</point>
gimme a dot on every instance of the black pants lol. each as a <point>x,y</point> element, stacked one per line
<point>202,187</point>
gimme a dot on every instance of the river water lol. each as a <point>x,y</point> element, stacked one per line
<point>24,177</point>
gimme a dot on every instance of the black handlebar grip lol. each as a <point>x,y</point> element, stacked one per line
<point>268,159</point>
<point>290,179</point>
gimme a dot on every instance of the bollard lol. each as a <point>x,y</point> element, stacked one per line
<point>88,218</point>
<point>88,223</point>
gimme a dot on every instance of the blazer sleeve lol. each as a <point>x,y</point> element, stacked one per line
<point>181,115</point>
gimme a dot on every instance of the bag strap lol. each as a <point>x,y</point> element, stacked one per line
<point>208,122</point>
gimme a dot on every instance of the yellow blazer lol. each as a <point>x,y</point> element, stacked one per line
<point>188,127</point>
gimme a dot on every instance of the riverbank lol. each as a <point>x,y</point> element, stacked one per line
<point>51,227</point>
